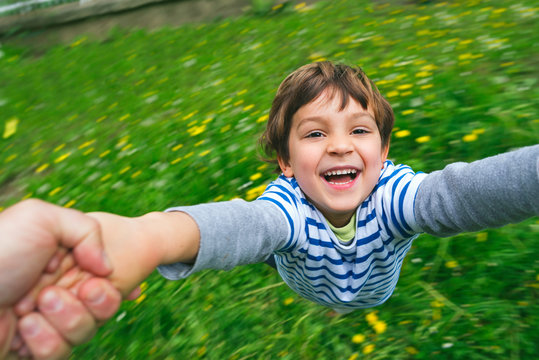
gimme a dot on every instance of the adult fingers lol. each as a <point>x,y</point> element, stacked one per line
<point>100,297</point>
<point>28,303</point>
<point>82,233</point>
<point>7,330</point>
<point>67,314</point>
<point>42,339</point>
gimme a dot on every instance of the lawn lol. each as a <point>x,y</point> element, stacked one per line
<point>147,120</point>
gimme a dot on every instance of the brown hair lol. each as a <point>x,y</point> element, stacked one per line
<point>305,85</point>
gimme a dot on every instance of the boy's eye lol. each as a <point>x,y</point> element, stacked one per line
<point>314,134</point>
<point>359,131</point>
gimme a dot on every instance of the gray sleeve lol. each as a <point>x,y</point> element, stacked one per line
<point>232,233</point>
<point>487,193</point>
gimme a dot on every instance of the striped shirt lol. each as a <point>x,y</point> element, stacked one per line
<point>362,273</point>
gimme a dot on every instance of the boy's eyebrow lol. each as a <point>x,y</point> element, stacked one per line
<point>319,119</point>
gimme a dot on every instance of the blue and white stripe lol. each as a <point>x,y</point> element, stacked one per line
<point>363,273</point>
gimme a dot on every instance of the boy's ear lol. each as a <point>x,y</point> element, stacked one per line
<point>285,167</point>
<point>385,152</point>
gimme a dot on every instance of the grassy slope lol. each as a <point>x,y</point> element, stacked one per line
<point>176,113</point>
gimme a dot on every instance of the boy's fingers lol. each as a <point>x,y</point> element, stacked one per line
<point>100,297</point>
<point>56,260</point>
<point>42,339</point>
<point>134,294</point>
<point>66,313</point>
<point>28,303</point>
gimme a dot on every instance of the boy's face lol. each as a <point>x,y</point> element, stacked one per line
<point>336,156</point>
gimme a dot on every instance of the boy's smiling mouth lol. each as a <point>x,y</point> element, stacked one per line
<point>340,176</point>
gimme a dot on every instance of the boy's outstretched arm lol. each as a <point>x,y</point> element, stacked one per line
<point>136,246</point>
<point>487,193</point>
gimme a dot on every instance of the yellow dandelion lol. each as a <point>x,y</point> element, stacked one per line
<point>124,170</point>
<point>127,147</point>
<point>86,144</point>
<point>358,338</point>
<point>104,153</point>
<point>175,161</point>
<point>371,317</point>
<point>140,299</point>
<point>225,128</point>
<point>288,301</point>
<point>78,42</point>
<point>140,82</point>
<point>451,264</point>
<point>481,237</point>
<point>62,157</point>
<point>106,177</point>
<point>59,147</point>
<point>55,191</point>
<point>469,137</point>
<point>255,176</point>
<point>408,112</point>
<point>423,74</point>
<point>255,192</point>
<point>402,133</point>
<point>11,158</point>
<point>423,139</point>
<point>70,203</point>
<point>124,117</point>
<point>101,119</point>
<point>136,173</point>
<point>204,153</point>
<point>426,86</point>
<point>42,168</point>
<point>411,350</point>
<point>263,118</point>
<point>177,147</point>
<point>300,6</point>
<point>248,107</point>
<point>90,150</point>
<point>10,127</point>
<point>28,196</point>
<point>196,130</point>
<point>380,327</point>
<point>392,94</point>
<point>368,349</point>
<point>437,304</point>
<point>478,131</point>
<point>404,86</point>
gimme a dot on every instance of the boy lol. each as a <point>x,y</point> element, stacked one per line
<point>340,218</point>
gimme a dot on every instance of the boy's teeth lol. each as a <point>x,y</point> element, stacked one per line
<point>340,172</point>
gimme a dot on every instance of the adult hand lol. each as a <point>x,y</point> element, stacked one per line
<point>32,231</point>
<point>65,320</point>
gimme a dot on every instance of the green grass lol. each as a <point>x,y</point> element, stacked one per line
<point>143,121</point>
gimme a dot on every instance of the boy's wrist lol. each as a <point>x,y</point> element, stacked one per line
<point>172,237</point>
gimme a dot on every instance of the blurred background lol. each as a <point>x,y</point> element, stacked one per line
<point>136,106</point>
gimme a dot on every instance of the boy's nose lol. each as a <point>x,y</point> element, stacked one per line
<point>339,145</point>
